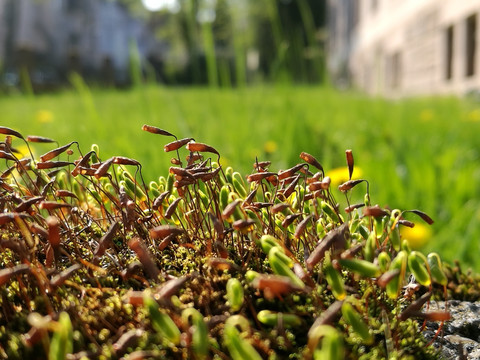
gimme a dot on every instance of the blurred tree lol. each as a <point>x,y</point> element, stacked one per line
<point>222,25</point>
<point>286,34</point>
<point>288,38</point>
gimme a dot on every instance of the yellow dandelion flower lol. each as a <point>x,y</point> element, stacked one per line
<point>23,150</point>
<point>474,115</point>
<point>44,116</point>
<point>417,236</point>
<point>426,115</point>
<point>340,175</point>
<point>270,147</point>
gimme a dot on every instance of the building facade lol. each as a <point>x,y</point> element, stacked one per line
<point>51,38</point>
<point>414,47</point>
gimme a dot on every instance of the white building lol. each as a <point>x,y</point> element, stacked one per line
<point>413,47</point>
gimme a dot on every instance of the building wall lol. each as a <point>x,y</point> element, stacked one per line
<point>342,19</point>
<point>87,36</point>
<point>401,47</point>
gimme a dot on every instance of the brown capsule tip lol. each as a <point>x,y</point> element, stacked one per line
<point>156,130</point>
<point>423,216</point>
<point>279,207</point>
<point>290,172</point>
<point>407,223</point>
<point>121,160</point>
<point>39,139</point>
<point>177,144</point>
<point>261,164</point>
<point>163,231</point>
<point>310,159</point>
<point>386,277</point>
<point>375,211</point>
<point>230,208</point>
<point>353,207</point>
<point>349,185</point>
<point>200,147</point>
<point>350,163</point>
<point>318,185</point>
<point>222,264</point>
<point>259,176</point>
<point>243,224</point>
<point>7,131</point>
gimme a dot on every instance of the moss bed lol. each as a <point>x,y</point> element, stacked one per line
<point>206,263</point>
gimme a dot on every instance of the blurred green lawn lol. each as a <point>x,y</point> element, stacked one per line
<point>417,153</point>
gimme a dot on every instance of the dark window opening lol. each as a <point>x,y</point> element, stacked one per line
<point>471,36</point>
<point>396,70</point>
<point>449,53</point>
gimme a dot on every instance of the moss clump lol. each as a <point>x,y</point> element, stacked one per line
<point>144,269</point>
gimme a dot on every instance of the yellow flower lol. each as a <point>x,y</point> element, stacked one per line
<point>474,115</point>
<point>417,236</point>
<point>23,150</point>
<point>44,116</point>
<point>270,147</point>
<point>340,175</point>
<point>426,115</point>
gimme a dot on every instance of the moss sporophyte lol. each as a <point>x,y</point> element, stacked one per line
<point>204,263</point>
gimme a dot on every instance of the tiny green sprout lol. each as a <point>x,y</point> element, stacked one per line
<point>326,342</point>
<point>170,181</point>
<point>394,231</point>
<point>281,263</point>
<point>436,270</point>
<point>329,211</point>
<point>370,246</point>
<point>251,275</point>
<point>238,346</point>
<point>361,267</point>
<point>229,175</point>
<point>417,263</point>
<point>223,196</point>
<point>235,294</point>
<point>353,318</point>
<point>398,263</point>
<point>62,339</point>
<point>271,318</point>
<point>239,185</point>
<point>199,332</point>
<point>161,322</point>
<point>267,242</point>
<point>383,261</point>
<point>335,281</point>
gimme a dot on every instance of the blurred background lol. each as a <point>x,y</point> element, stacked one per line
<point>219,42</point>
<point>395,81</point>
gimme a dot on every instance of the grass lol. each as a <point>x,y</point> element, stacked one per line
<point>416,153</point>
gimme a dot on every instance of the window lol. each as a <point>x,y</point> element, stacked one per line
<point>471,36</point>
<point>449,53</point>
<point>394,70</point>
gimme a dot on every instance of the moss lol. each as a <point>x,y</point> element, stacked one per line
<point>185,260</point>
